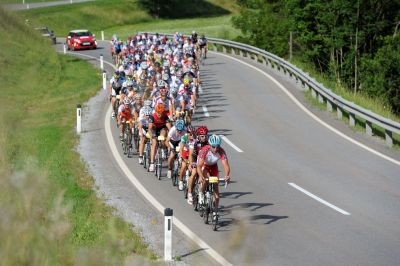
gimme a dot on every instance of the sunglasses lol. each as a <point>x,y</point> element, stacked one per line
<point>215,147</point>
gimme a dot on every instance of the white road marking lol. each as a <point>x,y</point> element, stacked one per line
<point>205,110</point>
<point>230,143</point>
<point>302,107</point>
<point>319,199</point>
<point>200,242</point>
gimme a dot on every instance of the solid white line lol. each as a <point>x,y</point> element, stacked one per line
<point>231,143</point>
<point>214,254</point>
<point>302,107</point>
<point>181,226</point>
<point>205,111</point>
<point>319,199</point>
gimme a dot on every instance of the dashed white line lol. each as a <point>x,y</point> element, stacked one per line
<point>230,143</point>
<point>205,110</point>
<point>319,199</point>
<point>302,107</point>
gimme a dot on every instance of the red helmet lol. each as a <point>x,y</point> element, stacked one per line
<point>202,130</point>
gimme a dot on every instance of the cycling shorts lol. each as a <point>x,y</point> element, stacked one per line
<point>211,169</point>
<point>156,131</point>
<point>173,144</point>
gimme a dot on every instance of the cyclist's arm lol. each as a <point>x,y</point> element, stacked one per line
<point>227,169</point>
<point>200,164</point>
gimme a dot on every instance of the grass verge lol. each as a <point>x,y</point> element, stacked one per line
<point>49,213</point>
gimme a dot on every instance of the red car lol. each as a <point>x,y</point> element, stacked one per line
<point>81,39</point>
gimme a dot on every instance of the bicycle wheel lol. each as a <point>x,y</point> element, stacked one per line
<point>158,164</point>
<point>175,173</point>
<point>136,138</point>
<point>206,213</point>
<point>214,218</point>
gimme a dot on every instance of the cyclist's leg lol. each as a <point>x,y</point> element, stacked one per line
<point>170,158</point>
<point>153,146</point>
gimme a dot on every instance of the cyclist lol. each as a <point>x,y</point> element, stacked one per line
<point>173,139</point>
<point>207,166</point>
<point>125,114</point>
<point>115,89</point>
<point>203,44</point>
<point>143,124</point>
<point>186,141</point>
<point>199,142</point>
<point>159,123</point>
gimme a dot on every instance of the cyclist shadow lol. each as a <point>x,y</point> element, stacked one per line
<point>225,211</point>
<point>233,195</point>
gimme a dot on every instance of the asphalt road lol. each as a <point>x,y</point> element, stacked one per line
<point>266,216</point>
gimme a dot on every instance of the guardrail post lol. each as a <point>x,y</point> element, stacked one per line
<point>240,53</point>
<point>101,62</point>
<point>102,35</point>
<point>313,93</point>
<point>78,118</point>
<point>352,119</point>
<point>104,79</point>
<point>215,48</point>
<point>368,128</point>
<point>65,49</point>
<point>233,51</point>
<point>255,58</point>
<point>339,112</point>
<point>329,106</point>
<point>320,98</point>
<point>224,49</point>
<point>168,234</point>
<point>389,138</point>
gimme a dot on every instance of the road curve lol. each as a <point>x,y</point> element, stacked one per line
<point>265,218</point>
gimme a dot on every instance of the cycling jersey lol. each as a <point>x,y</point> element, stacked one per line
<point>125,112</point>
<point>202,42</point>
<point>158,120</point>
<point>211,158</point>
<point>175,135</point>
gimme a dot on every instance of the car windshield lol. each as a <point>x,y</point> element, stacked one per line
<point>83,33</point>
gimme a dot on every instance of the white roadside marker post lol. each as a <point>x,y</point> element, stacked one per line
<point>65,49</point>
<point>101,62</point>
<point>78,119</point>
<point>168,234</point>
<point>104,79</point>
<point>102,35</point>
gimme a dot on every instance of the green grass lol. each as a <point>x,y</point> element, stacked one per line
<point>376,105</point>
<point>50,214</point>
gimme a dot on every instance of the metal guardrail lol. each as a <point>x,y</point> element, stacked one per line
<point>318,90</point>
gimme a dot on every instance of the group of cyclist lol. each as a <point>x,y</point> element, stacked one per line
<point>155,90</point>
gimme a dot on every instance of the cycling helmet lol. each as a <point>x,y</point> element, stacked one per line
<point>129,83</point>
<point>186,81</point>
<point>138,96</point>
<point>159,108</point>
<point>174,90</point>
<point>127,101</point>
<point>179,124</point>
<point>147,110</point>
<point>165,76</point>
<point>144,65</point>
<point>202,130</point>
<point>161,83</point>
<point>147,103</point>
<point>214,140</point>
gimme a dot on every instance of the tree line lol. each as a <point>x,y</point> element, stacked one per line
<point>354,42</point>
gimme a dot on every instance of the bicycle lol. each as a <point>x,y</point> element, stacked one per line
<point>161,152</point>
<point>209,203</point>
<point>177,166</point>
<point>146,154</point>
<point>136,137</point>
<point>126,142</point>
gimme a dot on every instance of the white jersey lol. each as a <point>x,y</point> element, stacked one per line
<point>159,99</point>
<point>175,135</point>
